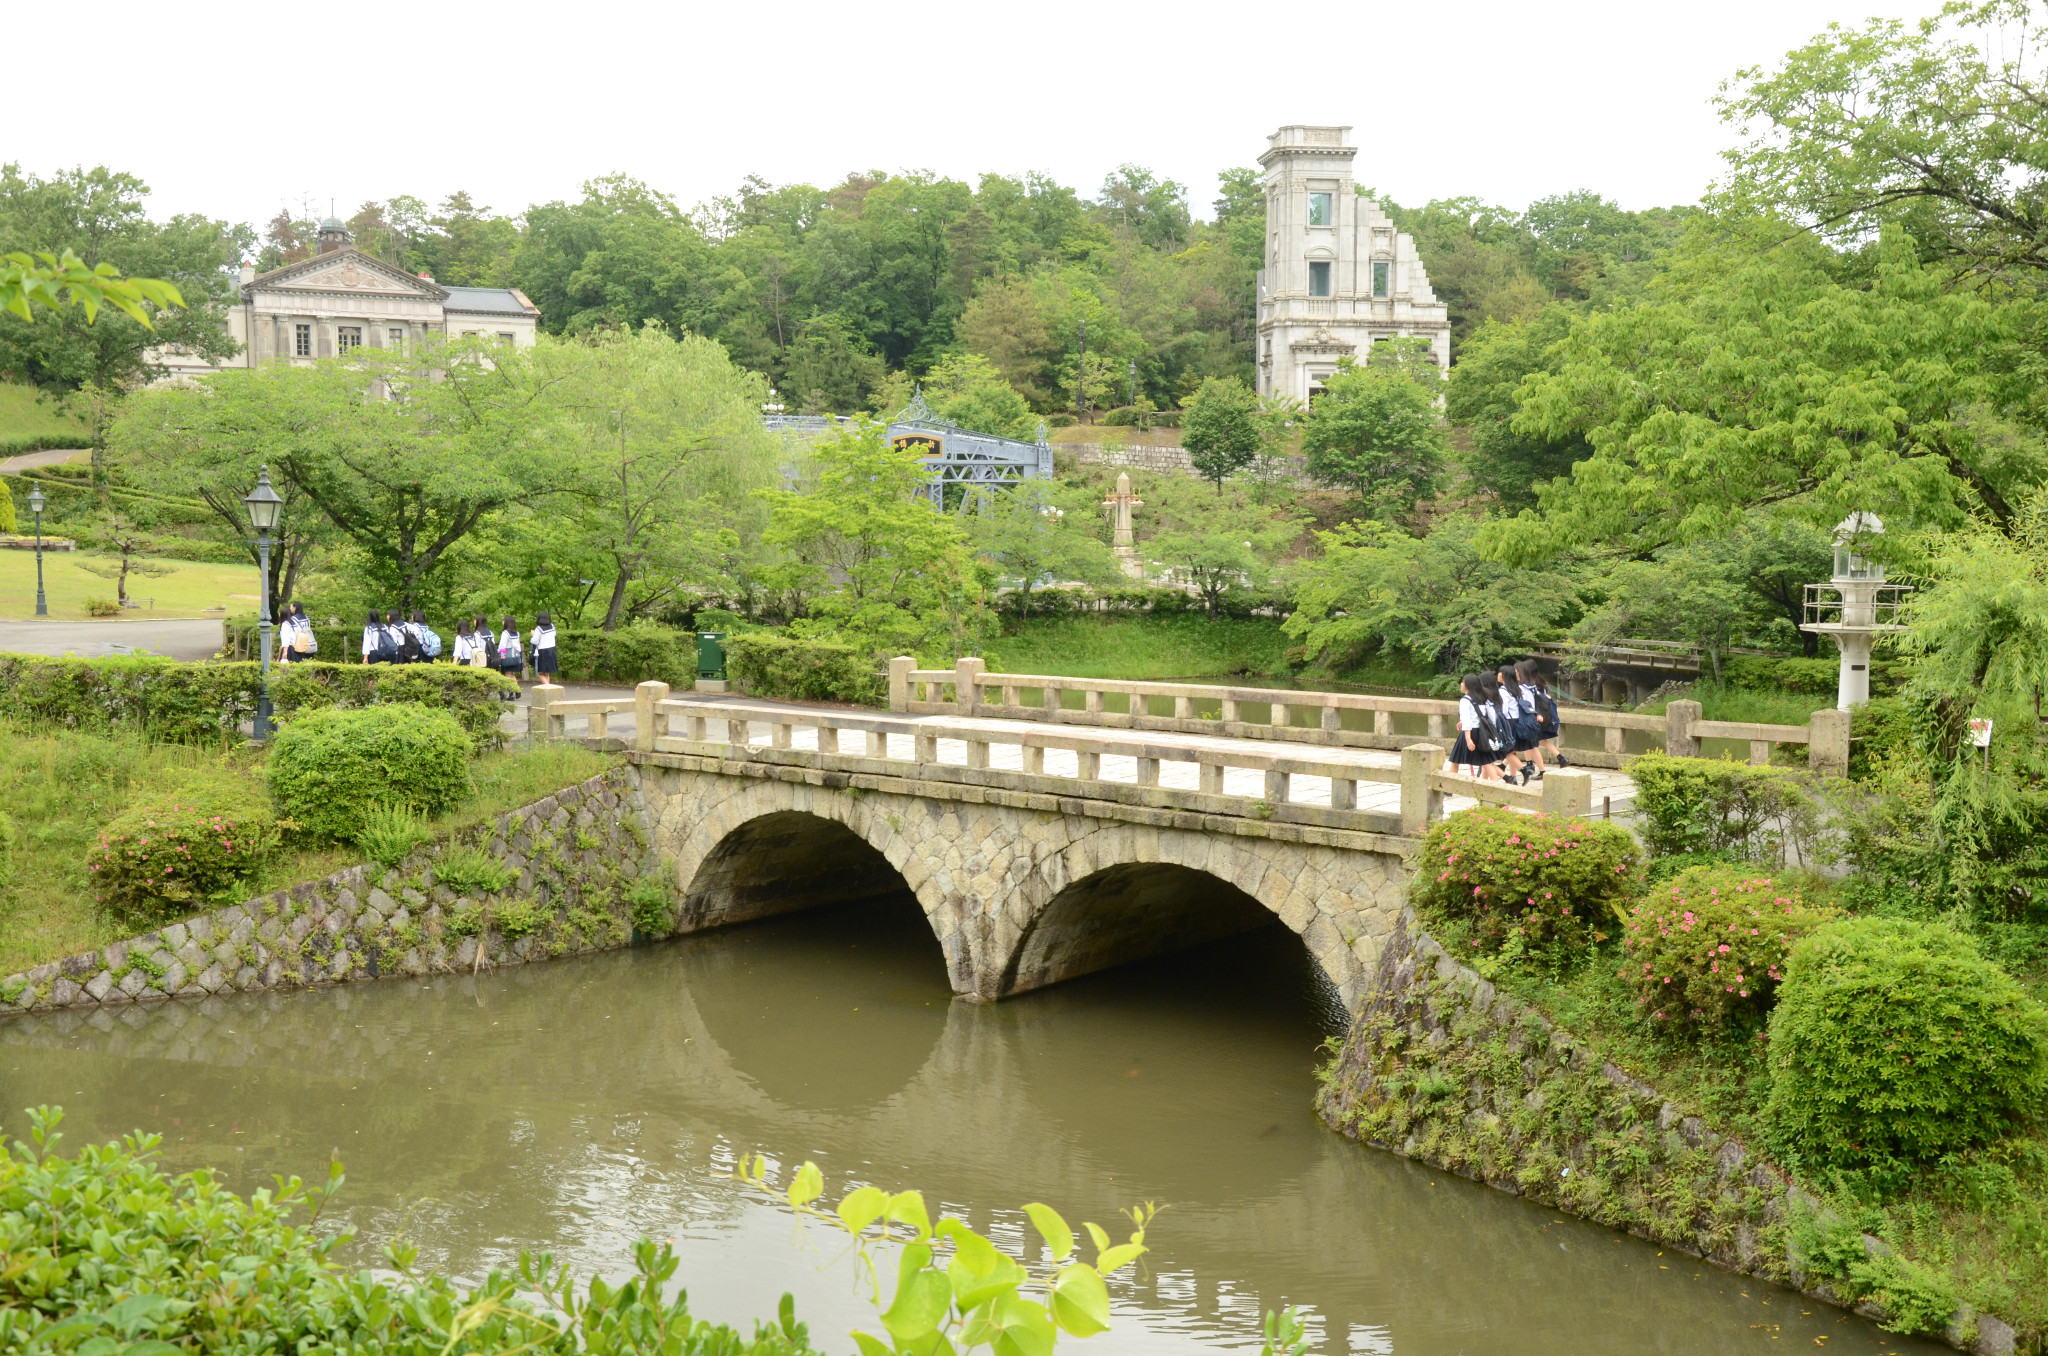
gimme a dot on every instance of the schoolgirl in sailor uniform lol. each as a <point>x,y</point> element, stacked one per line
<point>373,638</point>
<point>544,667</point>
<point>1474,746</point>
<point>511,659</point>
<point>1503,715</point>
<point>1528,738</point>
<point>464,649</point>
<point>1547,724</point>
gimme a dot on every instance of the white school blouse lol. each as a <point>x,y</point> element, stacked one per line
<point>370,634</point>
<point>543,637</point>
<point>1468,714</point>
<point>1529,698</point>
<point>1508,707</point>
<point>464,647</point>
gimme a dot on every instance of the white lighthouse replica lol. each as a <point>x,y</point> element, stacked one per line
<point>1854,607</point>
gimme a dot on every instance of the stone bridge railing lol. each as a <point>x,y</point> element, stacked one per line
<point>968,689</point>
<point>854,741</point>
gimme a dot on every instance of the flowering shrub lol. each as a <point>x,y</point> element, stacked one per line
<point>1531,884</point>
<point>1708,949</point>
<point>175,856</point>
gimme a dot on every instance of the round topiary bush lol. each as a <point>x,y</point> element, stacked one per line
<point>171,857</point>
<point>1532,884</point>
<point>1708,949</point>
<point>1895,1042</point>
<point>328,770</point>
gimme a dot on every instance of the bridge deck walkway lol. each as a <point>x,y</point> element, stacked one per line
<point>1612,791</point>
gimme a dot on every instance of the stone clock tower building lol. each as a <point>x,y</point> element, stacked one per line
<point>1338,276</point>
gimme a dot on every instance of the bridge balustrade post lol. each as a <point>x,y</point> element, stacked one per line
<point>538,727</point>
<point>900,669</point>
<point>1148,772</point>
<point>597,723</point>
<point>926,748</point>
<point>1678,737</point>
<point>1212,779</point>
<point>977,753</point>
<point>1088,766</point>
<point>967,671</point>
<point>738,733</point>
<point>1382,722</point>
<point>1759,753</point>
<point>646,697</point>
<point>1278,786</point>
<point>1183,708</point>
<point>1343,793</point>
<point>1229,710</point>
<point>1093,698</point>
<point>1567,791</point>
<point>782,734</point>
<point>696,729</point>
<point>1034,760</point>
<point>1421,803</point>
<point>828,739</point>
<point>1827,748</point>
<point>1051,697</point>
<point>1333,719</point>
<point>1614,740</point>
<point>1011,695</point>
<point>1436,726</point>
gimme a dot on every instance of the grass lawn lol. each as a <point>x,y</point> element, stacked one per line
<point>28,422</point>
<point>62,787</point>
<point>1142,647</point>
<point>1718,702</point>
<point>188,590</point>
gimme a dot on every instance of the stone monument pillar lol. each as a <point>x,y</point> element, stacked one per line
<point>1123,545</point>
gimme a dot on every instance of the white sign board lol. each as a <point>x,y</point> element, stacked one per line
<point>1980,733</point>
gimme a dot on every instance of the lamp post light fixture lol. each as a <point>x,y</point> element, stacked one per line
<point>774,403</point>
<point>265,507</point>
<point>35,506</point>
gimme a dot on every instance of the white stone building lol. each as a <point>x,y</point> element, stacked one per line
<point>341,299</point>
<point>1338,276</point>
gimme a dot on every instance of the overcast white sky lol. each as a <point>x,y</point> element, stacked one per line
<point>240,109</point>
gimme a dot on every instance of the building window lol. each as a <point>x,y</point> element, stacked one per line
<point>1319,209</point>
<point>505,337</point>
<point>1382,275</point>
<point>395,337</point>
<point>1319,277</point>
<point>302,340</point>
<point>347,337</point>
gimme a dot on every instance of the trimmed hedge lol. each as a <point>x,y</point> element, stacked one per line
<point>1796,673</point>
<point>190,703</point>
<point>1715,808</point>
<point>331,770</point>
<point>1895,1043</point>
<point>1528,884</point>
<point>1708,950</point>
<point>629,655</point>
<point>769,664</point>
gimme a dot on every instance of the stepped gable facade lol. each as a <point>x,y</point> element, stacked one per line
<point>1339,277</point>
<point>343,299</point>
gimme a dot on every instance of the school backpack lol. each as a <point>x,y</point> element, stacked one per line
<point>408,646</point>
<point>1489,732</point>
<point>508,647</point>
<point>387,646</point>
<point>302,639</point>
<point>1546,709</point>
<point>432,643</point>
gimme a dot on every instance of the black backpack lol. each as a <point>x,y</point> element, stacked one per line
<point>1488,735</point>
<point>409,651</point>
<point>387,647</point>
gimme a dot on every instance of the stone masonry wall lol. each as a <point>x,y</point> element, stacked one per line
<point>1443,1067</point>
<point>570,859</point>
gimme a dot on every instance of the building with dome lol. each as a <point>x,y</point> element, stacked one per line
<point>1339,276</point>
<point>343,299</point>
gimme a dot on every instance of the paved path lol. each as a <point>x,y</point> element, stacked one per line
<point>29,461</point>
<point>194,638</point>
<point>1612,791</point>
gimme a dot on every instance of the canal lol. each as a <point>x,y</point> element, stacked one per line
<point>581,1104</point>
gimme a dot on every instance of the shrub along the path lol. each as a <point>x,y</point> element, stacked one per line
<point>1708,949</point>
<point>1895,1043</point>
<point>330,771</point>
<point>770,664</point>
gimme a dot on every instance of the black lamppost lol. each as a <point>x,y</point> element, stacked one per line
<point>35,506</point>
<point>265,508</point>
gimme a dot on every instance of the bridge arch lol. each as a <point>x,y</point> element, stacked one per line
<point>770,848</point>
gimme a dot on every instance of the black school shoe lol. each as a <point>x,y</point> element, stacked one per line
<point>1563,761</point>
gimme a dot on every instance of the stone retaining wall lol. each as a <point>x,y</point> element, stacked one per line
<point>570,858</point>
<point>1443,1067</point>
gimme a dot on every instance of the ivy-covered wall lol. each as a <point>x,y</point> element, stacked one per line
<point>1443,1067</point>
<point>575,872</point>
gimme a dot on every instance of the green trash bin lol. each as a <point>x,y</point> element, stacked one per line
<point>710,654</point>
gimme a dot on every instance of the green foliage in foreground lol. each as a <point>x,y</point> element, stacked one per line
<point>1896,1043</point>
<point>333,770</point>
<point>1706,807</point>
<point>109,1256</point>
<point>766,664</point>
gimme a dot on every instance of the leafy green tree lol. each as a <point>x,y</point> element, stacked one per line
<point>1216,545</point>
<point>623,255</point>
<point>1482,394</point>
<point>870,558</point>
<point>829,368</point>
<point>964,389</point>
<point>1376,430</point>
<point>85,234</point>
<point>1038,532</point>
<point>1436,599</point>
<point>1691,594</point>
<point>1760,380</point>
<point>1218,429</point>
<point>663,439</point>
<point>1979,630</point>
<point>1939,126</point>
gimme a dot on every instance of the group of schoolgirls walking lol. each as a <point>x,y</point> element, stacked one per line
<point>1507,720</point>
<point>389,639</point>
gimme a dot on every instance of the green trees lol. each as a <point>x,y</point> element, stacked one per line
<point>1039,532</point>
<point>1376,429</point>
<point>1217,544</point>
<point>1218,430</point>
<point>103,250</point>
<point>866,558</point>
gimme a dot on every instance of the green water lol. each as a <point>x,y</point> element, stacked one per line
<point>581,1104</point>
